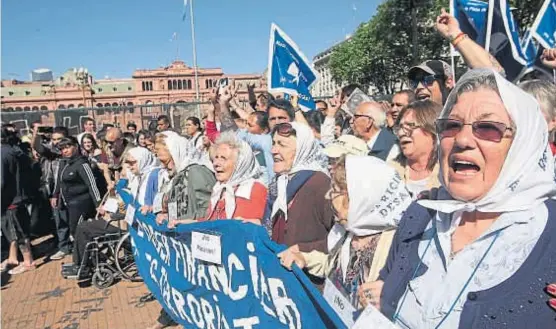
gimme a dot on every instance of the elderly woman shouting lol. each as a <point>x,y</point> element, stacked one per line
<point>238,193</point>
<point>476,256</point>
<point>368,209</point>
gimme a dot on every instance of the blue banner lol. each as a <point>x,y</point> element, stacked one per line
<point>249,289</point>
<point>289,71</point>
<point>544,27</point>
<point>504,40</point>
<point>472,18</point>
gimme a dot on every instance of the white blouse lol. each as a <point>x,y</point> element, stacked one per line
<point>507,244</point>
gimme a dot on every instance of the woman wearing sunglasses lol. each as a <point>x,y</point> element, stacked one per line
<point>417,163</point>
<point>476,256</point>
<point>297,212</point>
<point>368,209</point>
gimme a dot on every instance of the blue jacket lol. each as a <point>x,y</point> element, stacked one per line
<point>384,143</point>
<point>519,302</point>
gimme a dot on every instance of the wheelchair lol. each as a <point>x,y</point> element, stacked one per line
<point>111,256</point>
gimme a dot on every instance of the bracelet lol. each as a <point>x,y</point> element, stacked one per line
<point>459,39</point>
<point>453,38</point>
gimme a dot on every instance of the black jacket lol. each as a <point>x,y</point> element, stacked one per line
<point>77,182</point>
<point>16,176</point>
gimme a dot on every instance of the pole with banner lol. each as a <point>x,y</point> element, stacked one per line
<point>289,71</point>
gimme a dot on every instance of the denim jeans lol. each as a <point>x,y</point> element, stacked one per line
<point>62,229</point>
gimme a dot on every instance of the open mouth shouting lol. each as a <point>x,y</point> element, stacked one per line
<point>463,167</point>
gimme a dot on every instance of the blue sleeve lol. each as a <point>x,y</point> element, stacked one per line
<point>257,142</point>
<point>152,187</point>
<point>262,143</point>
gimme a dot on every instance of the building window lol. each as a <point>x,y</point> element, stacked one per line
<point>169,84</point>
<point>26,109</point>
<point>44,108</point>
<point>99,90</point>
<point>61,107</point>
<point>99,105</point>
<point>114,104</point>
<point>179,85</point>
<point>35,108</point>
<point>129,88</point>
<point>174,84</point>
<point>27,93</point>
<point>130,107</point>
<point>18,109</point>
<point>71,106</point>
<point>147,85</point>
<point>80,105</point>
<point>107,105</point>
<point>184,83</point>
<point>188,84</point>
<point>11,93</point>
<point>115,89</point>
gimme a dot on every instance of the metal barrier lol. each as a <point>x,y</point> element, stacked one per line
<point>142,115</point>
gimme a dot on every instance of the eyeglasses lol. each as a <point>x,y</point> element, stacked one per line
<point>426,80</point>
<point>284,129</point>
<point>357,116</point>
<point>485,130</point>
<point>406,127</point>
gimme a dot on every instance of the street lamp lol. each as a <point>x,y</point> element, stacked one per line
<point>82,78</point>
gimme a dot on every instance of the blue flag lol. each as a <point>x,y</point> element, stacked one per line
<point>505,43</point>
<point>289,71</point>
<point>224,274</point>
<point>472,17</point>
<point>544,27</point>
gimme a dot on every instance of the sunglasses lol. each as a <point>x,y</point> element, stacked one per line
<point>485,130</point>
<point>427,80</point>
<point>284,129</point>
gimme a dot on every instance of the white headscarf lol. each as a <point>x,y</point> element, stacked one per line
<point>246,172</point>
<point>181,152</point>
<point>378,198</point>
<point>527,176</point>
<point>146,162</point>
<point>307,157</point>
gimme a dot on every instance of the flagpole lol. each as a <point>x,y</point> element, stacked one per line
<point>489,24</point>
<point>452,48</point>
<point>194,56</point>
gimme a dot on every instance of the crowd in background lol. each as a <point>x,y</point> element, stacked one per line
<point>447,187</point>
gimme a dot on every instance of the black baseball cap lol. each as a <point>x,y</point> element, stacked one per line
<point>434,67</point>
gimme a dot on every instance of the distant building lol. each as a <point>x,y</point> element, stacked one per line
<point>170,84</point>
<point>325,86</point>
<point>41,75</point>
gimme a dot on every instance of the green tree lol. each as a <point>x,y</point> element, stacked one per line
<point>380,51</point>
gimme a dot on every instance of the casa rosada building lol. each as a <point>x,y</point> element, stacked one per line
<point>77,89</point>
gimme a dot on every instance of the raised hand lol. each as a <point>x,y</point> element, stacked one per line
<point>447,25</point>
<point>548,58</point>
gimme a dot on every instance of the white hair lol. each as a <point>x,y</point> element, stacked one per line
<point>229,138</point>
<point>545,93</point>
<point>378,115</point>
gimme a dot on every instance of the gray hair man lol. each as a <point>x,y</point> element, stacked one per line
<point>368,124</point>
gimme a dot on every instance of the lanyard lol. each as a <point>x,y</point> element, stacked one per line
<point>396,316</point>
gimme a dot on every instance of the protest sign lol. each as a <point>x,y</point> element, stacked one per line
<point>357,97</point>
<point>250,289</point>
<point>289,71</point>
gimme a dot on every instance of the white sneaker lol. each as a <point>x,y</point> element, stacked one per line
<point>58,255</point>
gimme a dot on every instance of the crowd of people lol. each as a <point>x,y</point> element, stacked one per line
<point>435,207</point>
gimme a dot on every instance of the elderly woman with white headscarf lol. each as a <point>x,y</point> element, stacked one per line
<point>185,198</point>
<point>146,177</point>
<point>479,254</point>
<point>298,213</point>
<point>368,209</point>
<point>239,192</point>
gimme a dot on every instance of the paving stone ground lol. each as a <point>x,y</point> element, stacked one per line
<point>43,299</point>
